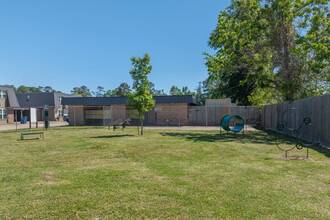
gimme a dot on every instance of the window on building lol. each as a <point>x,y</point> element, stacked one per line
<point>3,94</point>
<point>3,113</point>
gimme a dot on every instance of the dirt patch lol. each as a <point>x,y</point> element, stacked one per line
<point>293,158</point>
<point>159,177</point>
<point>48,177</point>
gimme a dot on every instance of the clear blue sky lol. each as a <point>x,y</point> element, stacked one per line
<point>69,43</point>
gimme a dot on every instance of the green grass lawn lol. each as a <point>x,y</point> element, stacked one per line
<point>91,172</point>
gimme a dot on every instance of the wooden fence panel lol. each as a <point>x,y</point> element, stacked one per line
<point>211,116</point>
<point>316,108</point>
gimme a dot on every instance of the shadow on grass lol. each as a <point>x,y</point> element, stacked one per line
<point>323,150</point>
<point>114,136</point>
<point>30,139</point>
<point>250,137</point>
<point>258,137</point>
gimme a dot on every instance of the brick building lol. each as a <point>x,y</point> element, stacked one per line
<point>168,110</point>
<point>8,101</point>
<point>39,100</point>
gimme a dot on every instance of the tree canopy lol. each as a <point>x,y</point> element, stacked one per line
<point>31,89</point>
<point>82,91</point>
<point>270,50</point>
<point>122,90</point>
<point>184,91</point>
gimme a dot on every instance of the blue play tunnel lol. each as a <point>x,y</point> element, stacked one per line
<point>238,123</point>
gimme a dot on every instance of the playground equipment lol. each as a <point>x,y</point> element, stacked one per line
<point>119,123</point>
<point>238,123</point>
<point>292,126</point>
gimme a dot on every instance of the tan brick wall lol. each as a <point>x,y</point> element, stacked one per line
<point>51,114</point>
<point>11,116</point>
<point>2,103</point>
<point>40,114</point>
<point>119,112</point>
<point>176,114</point>
<point>76,115</point>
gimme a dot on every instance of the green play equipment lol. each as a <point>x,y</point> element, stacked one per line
<point>291,124</point>
<point>236,119</point>
<point>119,123</point>
<point>32,133</point>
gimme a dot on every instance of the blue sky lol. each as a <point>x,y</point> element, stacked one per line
<point>70,43</point>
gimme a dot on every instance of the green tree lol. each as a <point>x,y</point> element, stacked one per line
<point>82,91</point>
<point>141,99</point>
<point>270,46</point>
<point>175,91</point>
<point>202,91</point>
<point>299,36</point>
<point>100,92</point>
<point>47,89</point>
<point>237,40</point>
<point>159,92</point>
<point>22,89</point>
<point>27,89</point>
<point>110,93</point>
<point>123,90</point>
<point>154,91</point>
<point>184,91</point>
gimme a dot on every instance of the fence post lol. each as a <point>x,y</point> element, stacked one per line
<point>16,118</point>
<point>103,116</point>
<point>179,117</point>
<point>74,116</point>
<point>205,116</point>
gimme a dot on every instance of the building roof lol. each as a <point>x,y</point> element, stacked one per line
<point>38,100</point>
<point>122,100</point>
<point>12,98</point>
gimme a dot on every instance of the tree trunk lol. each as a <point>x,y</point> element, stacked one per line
<point>141,127</point>
<point>138,125</point>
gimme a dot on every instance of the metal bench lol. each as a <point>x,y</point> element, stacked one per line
<point>32,133</point>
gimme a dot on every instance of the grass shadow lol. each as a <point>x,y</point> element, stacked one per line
<point>249,137</point>
<point>323,150</point>
<point>30,139</point>
<point>114,136</point>
<point>255,137</point>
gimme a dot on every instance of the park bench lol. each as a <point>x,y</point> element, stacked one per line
<point>32,133</point>
<point>119,123</point>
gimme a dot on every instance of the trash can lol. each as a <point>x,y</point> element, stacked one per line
<point>65,118</point>
<point>46,124</point>
<point>24,120</point>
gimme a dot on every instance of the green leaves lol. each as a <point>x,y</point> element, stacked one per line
<point>141,99</point>
<point>282,44</point>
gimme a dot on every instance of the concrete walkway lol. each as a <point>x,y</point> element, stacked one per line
<point>195,128</point>
<point>5,127</point>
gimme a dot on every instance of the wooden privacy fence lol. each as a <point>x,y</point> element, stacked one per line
<point>316,108</point>
<point>211,116</point>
